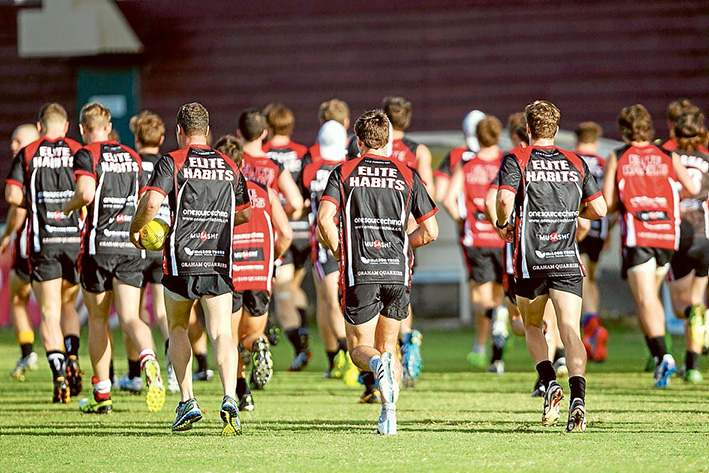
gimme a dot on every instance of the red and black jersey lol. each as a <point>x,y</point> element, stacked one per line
<point>597,167</point>
<point>374,197</point>
<point>404,151</point>
<point>313,182</point>
<point>43,169</point>
<point>289,156</point>
<point>261,170</point>
<point>550,184</point>
<point>205,189</point>
<point>671,145</point>
<point>649,200</point>
<point>314,153</point>
<point>252,245</point>
<point>694,209</point>
<point>118,175</point>
<point>457,155</point>
<point>478,175</point>
<point>149,161</point>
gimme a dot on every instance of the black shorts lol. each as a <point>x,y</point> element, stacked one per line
<point>21,268</point>
<point>534,287</point>
<point>637,255</point>
<point>592,247</point>
<point>98,271</point>
<point>363,302</point>
<point>152,271</point>
<point>297,254</point>
<point>484,264</point>
<point>253,302</point>
<point>195,286</point>
<point>325,263</point>
<point>696,258</point>
<point>45,267</point>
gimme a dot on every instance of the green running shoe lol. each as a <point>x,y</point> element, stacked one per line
<point>230,415</point>
<point>155,397</point>
<point>187,414</point>
<point>693,376</point>
<point>89,405</point>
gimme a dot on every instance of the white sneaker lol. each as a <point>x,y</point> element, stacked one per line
<point>497,367</point>
<point>172,385</point>
<point>388,385</point>
<point>387,422</point>
<point>562,371</point>
<point>499,327</point>
<point>134,385</point>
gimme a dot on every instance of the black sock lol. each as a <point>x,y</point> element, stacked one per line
<point>657,347</point>
<point>331,358</point>
<point>559,353</point>
<point>202,364</point>
<point>342,344</point>
<point>303,312</point>
<point>133,369</point>
<point>691,360</point>
<point>546,372</point>
<point>304,334</point>
<point>242,387</point>
<point>167,348</point>
<point>26,349</point>
<point>71,345</point>
<point>489,313</point>
<point>57,363</point>
<point>577,385</point>
<point>687,311</point>
<point>370,382</point>
<point>496,354</point>
<point>111,373</point>
<point>294,338</point>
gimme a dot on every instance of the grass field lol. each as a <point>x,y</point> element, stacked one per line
<point>456,419</point>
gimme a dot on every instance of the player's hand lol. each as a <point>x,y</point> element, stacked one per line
<point>135,239</point>
<point>65,209</point>
<point>4,243</point>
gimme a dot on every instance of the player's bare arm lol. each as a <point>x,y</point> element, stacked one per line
<point>242,216</point>
<point>503,209</point>
<point>425,233</point>
<point>490,199</point>
<point>691,186</point>
<point>450,202</point>
<point>594,209</point>
<point>284,232</point>
<point>290,192</point>
<point>583,225</point>
<point>83,195</point>
<point>423,158</point>
<point>146,211</point>
<point>15,196</point>
<point>15,218</point>
<point>610,190</point>
<point>329,236</point>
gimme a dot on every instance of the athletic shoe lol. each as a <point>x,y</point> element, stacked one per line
<point>351,372</point>
<point>649,364</point>
<point>73,375</point>
<point>479,360</point>
<point>263,364</point>
<point>388,385</point>
<point>305,337</point>
<point>272,333</point>
<point>387,422</point>
<point>407,381</point>
<point>133,386</point>
<point>187,414</point>
<point>230,416</point>
<point>538,390</point>
<point>696,324</point>
<point>203,375</point>
<point>24,364</point>
<point>499,327</point>
<point>497,367</point>
<point>89,405</point>
<point>300,361</point>
<point>595,338</point>
<point>560,367</point>
<point>246,403</point>
<point>664,370</point>
<point>552,397</point>
<point>577,417</point>
<point>411,360</point>
<point>172,384</point>
<point>155,399</point>
<point>61,391</point>
<point>681,371</point>
<point>374,397</point>
<point>244,355</point>
<point>693,376</point>
<point>338,365</point>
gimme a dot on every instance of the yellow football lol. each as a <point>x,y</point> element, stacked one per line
<point>153,235</point>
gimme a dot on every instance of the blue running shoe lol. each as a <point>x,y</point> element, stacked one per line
<point>230,415</point>
<point>187,414</point>
<point>411,360</point>
<point>664,370</point>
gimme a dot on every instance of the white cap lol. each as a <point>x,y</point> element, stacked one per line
<point>332,139</point>
<point>470,128</point>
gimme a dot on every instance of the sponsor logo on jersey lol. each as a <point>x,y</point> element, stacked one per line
<point>366,260</point>
<point>204,236</point>
<point>649,165</point>
<point>377,177</point>
<point>652,215</point>
<point>546,170</point>
<point>203,252</point>
<point>56,215</point>
<point>377,244</point>
<point>554,254</point>
<point>643,201</point>
<point>51,157</point>
<point>53,229</point>
<point>548,267</point>
<point>116,233</point>
<point>247,254</point>
<point>554,237</point>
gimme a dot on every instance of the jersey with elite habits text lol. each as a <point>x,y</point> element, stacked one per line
<point>205,189</point>
<point>43,170</point>
<point>550,185</point>
<point>694,209</point>
<point>478,174</point>
<point>449,163</point>
<point>149,161</point>
<point>313,182</point>
<point>290,156</point>
<point>118,175</point>
<point>252,246</point>
<point>375,196</point>
<point>261,170</point>
<point>597,168</point>
<point>649,200</point>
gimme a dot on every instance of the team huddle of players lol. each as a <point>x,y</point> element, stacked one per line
<point>77,212</point>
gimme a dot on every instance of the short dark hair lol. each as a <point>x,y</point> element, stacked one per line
<point>588,132</point>
<point>543,119</point>
<point>517,127</point>
<point>280,118</point>
<point>677,107</point>
<point>231,146</point>
<point>193,118</point>
<point>635,124</point>
<point>398,110</point>
<point>488,131</point>
<point>251,124</point>
<point>372,128</point>
<point>690,131</point>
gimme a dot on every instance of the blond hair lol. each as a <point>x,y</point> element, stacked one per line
<point>52,113</point>
<point>148,128</point>
<point>94,116</point>
<point>334,109</point>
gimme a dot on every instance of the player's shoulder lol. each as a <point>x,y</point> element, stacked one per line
<point>300,149</point>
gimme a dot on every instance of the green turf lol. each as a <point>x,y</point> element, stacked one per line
<point>456,419</point>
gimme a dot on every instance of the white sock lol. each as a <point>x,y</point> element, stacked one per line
<point>374,363</point>
<point>147,354</point>
<point>103,386</point>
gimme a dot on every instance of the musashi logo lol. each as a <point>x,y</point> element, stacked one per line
<point>204,236</point>
<point>377,244</point>
<point>554,237</point>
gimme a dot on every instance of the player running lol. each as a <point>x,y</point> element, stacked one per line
<point>641,183</point>
<point>547,189</point>
<point>208,196</point>
<point>373,197</point>
<point>40,181</point>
